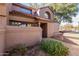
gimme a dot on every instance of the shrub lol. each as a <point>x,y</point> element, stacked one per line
<point>19,49</point>
<point>53,47</point>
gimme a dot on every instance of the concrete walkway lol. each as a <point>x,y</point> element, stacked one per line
<point>72,43</point>
<point>76,41</point>
<point>74,49</point>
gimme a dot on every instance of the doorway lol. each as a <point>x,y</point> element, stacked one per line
<point>44,29</point>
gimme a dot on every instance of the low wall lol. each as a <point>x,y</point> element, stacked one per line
<point>18,35</point>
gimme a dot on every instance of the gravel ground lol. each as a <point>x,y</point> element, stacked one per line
<point>36,51</point>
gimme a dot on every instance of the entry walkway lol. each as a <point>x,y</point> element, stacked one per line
<point>72,38</point>
<point>72,41</point>
<point>74,49</point>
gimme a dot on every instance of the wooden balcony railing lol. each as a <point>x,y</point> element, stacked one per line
<point>18,8</point>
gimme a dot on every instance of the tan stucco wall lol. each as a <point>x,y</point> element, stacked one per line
<point>12,35</point>
<point>3,21</point>
<point>44,10</point>
<point>4,8</point>
<point>52,28</point>
<point>2,40</point>
<point>28,35</point>
<point>2,33</point>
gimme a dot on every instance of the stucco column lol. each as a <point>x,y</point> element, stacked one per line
<point>3,23</point>
<point>39,24</point>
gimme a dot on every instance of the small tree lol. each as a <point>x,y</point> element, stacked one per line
<point>64,12</point>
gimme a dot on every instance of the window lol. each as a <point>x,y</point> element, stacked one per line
<point>27,11</point>
<point>23,10</point>
<point>22,23</point>
<point>17,23</point>
<point>47,15</point>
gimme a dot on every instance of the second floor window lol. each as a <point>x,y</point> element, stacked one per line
<point>47,15</point>
<point>25,11</point>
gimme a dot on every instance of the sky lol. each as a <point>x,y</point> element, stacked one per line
<point>74,19</point>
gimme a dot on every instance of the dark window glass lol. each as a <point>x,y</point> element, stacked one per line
<point>47,15</point>
<point>17,23</point>
<point>22,23</point>
<point>25,11</point>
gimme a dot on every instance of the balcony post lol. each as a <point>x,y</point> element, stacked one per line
<point>39,24</point>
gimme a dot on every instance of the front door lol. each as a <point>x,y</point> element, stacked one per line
<point>44,29</point>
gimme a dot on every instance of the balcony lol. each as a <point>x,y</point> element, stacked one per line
<point>20,9</point>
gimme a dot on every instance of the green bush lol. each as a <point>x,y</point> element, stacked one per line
<point>53,47</point>
<point>19,49</point>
